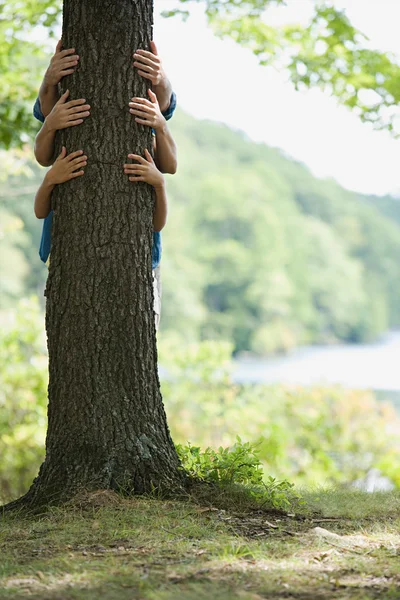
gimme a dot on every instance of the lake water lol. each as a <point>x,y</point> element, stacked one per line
<point>368,366</point>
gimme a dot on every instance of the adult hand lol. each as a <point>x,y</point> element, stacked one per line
<point>147,112</point>
<point>62,63</point>
<point>149,65</point>
<point>145,170</point>
<point>67,114</point>
<point>67,167</point>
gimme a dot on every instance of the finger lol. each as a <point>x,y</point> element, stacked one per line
<point>67,52</point>
<point>152,96</point>
<point>69,72</point>
<point>148,76</point>
<point>153,48</point>
<point>146,54</point>
<point>148,156</point>
<point>74,155</point>
<point>67,64</point>
<point>79,115</point>
<point>78,174</point>
<point>73,103</point>
<point>59,46</point>
<point>77,168</point>
<point>78,111</point>
<point>142,62</point>
<point>135,173</point>
<point>146,106</point>
<point>144,122</point>
<point>138,113</point>
<point>62,154</point>
<point>68,59</point>
<point>137,178</point>
<point>72,123</point>
<point>63,97</point>
<point>140,101</point>
<point>147,68</point>
<point>77,161</point>
<point>138,158</point>
<point>135,168</point>
<point>142,110</point>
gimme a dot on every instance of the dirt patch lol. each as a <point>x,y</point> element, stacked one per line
<point>258,524</point>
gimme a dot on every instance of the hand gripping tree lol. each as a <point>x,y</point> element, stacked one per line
<point>107,426</point>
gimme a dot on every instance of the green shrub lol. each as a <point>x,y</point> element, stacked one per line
<point>239,464</point>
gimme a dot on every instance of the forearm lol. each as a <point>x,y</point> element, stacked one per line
<point>161,208</point>
<point>42,205</point>
<point>166,151</point>
<point>44,146</point>
<point>48,96</point>
<point>163,91</point>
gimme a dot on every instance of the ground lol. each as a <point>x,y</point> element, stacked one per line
<point>338,545</point>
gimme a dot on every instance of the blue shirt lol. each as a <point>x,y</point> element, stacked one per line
<point>45,242</point>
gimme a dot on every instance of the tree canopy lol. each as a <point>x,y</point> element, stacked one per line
<point>328,53</point>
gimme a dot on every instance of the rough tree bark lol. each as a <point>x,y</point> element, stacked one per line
<point>107,425</point>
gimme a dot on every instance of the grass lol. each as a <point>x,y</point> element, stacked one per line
<point>341,544</point>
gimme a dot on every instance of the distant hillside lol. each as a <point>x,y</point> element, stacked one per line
<point>274,257</point>
<point>256,250</point>
<point>387,205</point>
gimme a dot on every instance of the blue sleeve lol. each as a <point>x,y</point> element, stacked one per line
<point>156,250</point>
<point>169,113</point>
<point>37,111</point>
<point>45,241</point>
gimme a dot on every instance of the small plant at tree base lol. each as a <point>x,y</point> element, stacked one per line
<point>240,465</point>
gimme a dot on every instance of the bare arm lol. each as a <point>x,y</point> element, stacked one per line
<point>166,156</point>
<point>44,145</point>
<point>161,208</point>
<point>163,91</point>
<point>48,96</point>
<point>42,205</point>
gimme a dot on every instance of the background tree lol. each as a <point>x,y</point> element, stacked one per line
<point>328,53</point>
<point>107,425</point>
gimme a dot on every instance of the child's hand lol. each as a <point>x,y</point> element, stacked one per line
<point>67,114</point>
<point>146,170</point>
<point>149,64</point>
<point>64,62</point>
<point>67,167</point>
<point>147,111</point>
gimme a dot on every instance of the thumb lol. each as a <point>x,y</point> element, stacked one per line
<point>63,153</point>
<point>153,48</point>
<point>148,156</point>
<point>59,46</point>
<point>152,97</point>
<point>63,97</point>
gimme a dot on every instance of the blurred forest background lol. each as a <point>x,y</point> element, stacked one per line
<point>260,257</point>
<point>257,251</point>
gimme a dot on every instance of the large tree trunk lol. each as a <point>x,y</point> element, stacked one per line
<point>107,425</point>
